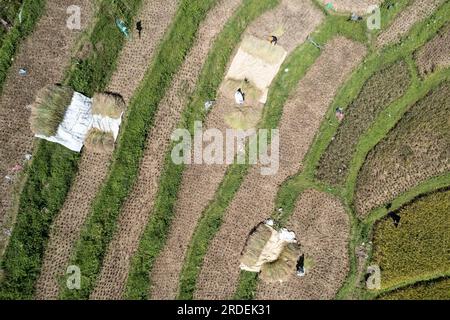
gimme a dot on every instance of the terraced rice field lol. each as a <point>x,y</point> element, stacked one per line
<point>417,248</point>
<point>136,210</point>
<point>414,151</point>
<point>45,55</point>
<point>324,242</point>
<point>93,167</point>
<point>416,11</point>
<point>363,171</point>
<point>435,54</point>
<point>200,182</point>
<point>302,115</point>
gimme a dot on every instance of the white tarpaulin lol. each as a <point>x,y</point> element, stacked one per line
<point>78,120</point>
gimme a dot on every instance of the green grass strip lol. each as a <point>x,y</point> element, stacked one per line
<point>297,63</point>
<point>31,12</point>
<point>155,234</point>
<point>53,167</point>
<point>100,227</point>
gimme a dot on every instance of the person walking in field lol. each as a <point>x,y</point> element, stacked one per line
<point>273,40</point>
<point>139,27</point>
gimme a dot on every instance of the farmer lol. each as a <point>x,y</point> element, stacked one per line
<point>239,96</point>
<point>139,27</point>
<point>273,40</point>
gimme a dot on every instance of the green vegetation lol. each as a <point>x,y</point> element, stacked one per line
<point>379,91</point>
<point>99,229</point>
<point>212,74</point>
<point>418,246</point>
<point>9,42</point>
<point>50,175</point>
<point>430,290</point>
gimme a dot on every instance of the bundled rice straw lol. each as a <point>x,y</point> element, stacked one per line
<point>251,92</point>
<point>108,105</point>
<point>263,50</point>
<point>99,141</point>
<point>281,269</point>
<point>255,245</point>
<point>48,109</point>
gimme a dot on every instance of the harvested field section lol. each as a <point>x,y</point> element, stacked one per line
<point>322,227</point>
<point>416,149</point>
<point>415,12</point>
<point>435,54</point>
<point>430,290</point>
<point>93,168</point>
<point>380,90</point>
<point>137,54</point>
<point>45,55</point>
<point>302,115</point>
<point>139,205</point>
<point>413,242</point>
<point>200,182</point>
<point>102,223</point>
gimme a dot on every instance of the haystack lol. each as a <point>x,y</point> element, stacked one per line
<point>254,247</point>
<point>271,252</point>
<point>244,118</point>
<point>108,105</point>
<point>99,141</point>
<point>284,267</point>
<point>49,108</point>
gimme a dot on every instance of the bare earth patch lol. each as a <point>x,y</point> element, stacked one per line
<point>139,205</point>
<point>322,227</point>
<point>93,168</point>
<point>415,12</point>
<point>200,182</point>
<point>45,54</point>
<point>255,200</point>
<point>434,54</point>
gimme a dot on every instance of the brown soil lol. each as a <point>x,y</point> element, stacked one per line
<point>302,115</point>
<point>132,65</point>
<point>45,54</point>
<point>435,54</point>
<point>322,227</point>
<point>137,208</point>
<point>415,12</point>
<point>200,182</point>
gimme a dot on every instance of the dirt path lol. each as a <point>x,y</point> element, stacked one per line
<point>139,205</point>
<point>323,230</point>
<point>132,65</point>
<point>200,182</point>
<point>254,202</point>
<point>45,54</point>
<point>415,12</point>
